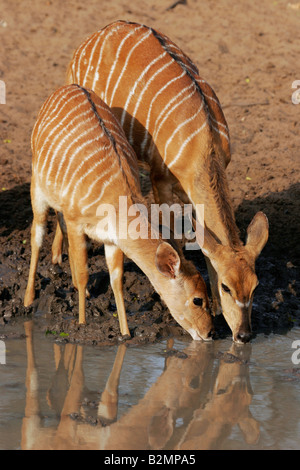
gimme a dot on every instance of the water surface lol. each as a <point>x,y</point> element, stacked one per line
<point>169,395</point>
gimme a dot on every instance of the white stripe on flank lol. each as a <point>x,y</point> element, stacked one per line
<point>43,129</point>
<point>187,121</point>
<point>143,145</point>
<point>219,123</point>
<point>83,163</point>
<point>211,98</point>
<point>83,177</point>
<point>161,123</point>
<point>44,156</point>
<point>138,102</point>
<point>221,132</point>
<point>73,141</point>
<point>104,186</point>
<point>65,96</point>
<point>52,103</point>
<point>112,69</point>
<point>185,143</point>
<point>169,104</point>
<point>96,180</point>
<point>97,66</point>
<point>76,152</point>
<point>144,37</point>
<point>82,56</point>
<point>136,83</point>
<point>62,141</point>
<point>52,115</point>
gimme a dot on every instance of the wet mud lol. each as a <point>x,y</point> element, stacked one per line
<point>276,303</point>
<point>251,67</point>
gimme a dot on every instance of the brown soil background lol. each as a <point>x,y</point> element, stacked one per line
<point>249,53</point>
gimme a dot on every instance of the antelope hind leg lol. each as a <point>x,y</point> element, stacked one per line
<point>78,264</point>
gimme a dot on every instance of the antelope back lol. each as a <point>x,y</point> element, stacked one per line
<point>153,88</point>
<point>80,153</point>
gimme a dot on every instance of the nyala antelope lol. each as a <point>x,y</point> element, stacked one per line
<point>82,162</point>
<point>174,121</point>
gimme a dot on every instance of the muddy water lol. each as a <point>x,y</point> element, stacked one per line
<point>169,395</point>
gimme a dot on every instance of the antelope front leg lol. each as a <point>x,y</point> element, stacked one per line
<point>115,258</point>
<point>78,264</point>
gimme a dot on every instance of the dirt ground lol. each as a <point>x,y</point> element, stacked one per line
<point>249,52</point>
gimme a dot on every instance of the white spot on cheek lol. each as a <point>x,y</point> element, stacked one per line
<point>187,303</point>
<point>181,317</point>
<point>241,304</point>
<point>194,334</point>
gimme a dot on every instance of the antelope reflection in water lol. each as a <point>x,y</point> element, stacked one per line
<point>194,404</point>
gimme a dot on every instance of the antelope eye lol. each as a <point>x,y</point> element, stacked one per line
<point>225,288</point>
<point>198,301</point>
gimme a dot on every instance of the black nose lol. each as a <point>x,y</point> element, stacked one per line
<point>243,337</point>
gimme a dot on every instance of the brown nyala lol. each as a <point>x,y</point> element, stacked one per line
<point>81,164</point>
<point>175,123</point>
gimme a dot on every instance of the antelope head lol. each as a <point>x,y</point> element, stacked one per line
<point>184,292</point>
<point>236,278</point>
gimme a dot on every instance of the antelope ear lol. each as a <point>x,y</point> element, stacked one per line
<point>167,260</point>
<point>257,234</point>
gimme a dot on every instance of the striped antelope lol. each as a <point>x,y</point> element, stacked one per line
<point>174,121</point>
<point>81,164</point>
